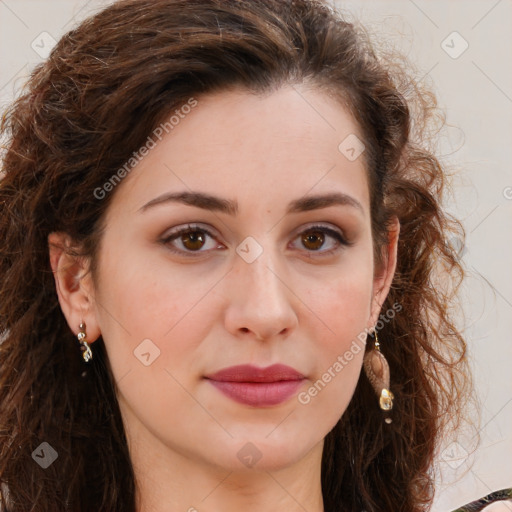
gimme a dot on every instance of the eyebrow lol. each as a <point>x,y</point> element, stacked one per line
<point>230,207</point>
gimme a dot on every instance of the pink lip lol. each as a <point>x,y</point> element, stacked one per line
<point>258,387</point>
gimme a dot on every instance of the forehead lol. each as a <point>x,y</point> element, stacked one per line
<point>257,147</point>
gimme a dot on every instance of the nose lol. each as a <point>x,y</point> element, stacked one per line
<point>261,303</point>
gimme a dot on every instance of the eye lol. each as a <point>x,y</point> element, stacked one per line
<point>321,239</point>
<point>191,239</point>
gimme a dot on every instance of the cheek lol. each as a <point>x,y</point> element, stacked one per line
<point>338,329</point>
<point>153,322</point>
<point>141,300</point>
<point>342,303</point>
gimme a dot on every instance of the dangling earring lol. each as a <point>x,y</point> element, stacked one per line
<point>377,370</point>
<point>85,348</point>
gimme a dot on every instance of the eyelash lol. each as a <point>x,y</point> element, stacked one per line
<point>341,241</point>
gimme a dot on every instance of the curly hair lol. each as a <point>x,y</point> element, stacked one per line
<point>105,86</point>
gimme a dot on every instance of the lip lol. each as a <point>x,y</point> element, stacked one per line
<point>259,387</point>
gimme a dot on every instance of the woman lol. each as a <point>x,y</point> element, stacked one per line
<point>215,216</point>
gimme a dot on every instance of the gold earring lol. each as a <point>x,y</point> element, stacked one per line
<point>85,348</point>
<point>377,370</point>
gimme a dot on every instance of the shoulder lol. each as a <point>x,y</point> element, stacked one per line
<point>499,506</point>
<point>498,501</point>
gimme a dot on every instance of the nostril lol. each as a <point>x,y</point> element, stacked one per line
<point>244,329</point>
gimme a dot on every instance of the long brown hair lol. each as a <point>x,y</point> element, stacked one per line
<point>106,85</point>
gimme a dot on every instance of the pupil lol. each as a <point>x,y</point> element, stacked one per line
<point>193,240</point>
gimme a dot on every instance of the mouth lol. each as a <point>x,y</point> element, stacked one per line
<point>258,387</point>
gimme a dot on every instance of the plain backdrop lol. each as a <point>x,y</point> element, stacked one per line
<point>462,49</point>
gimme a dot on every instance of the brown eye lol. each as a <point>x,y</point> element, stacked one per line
<point>320,241</point>
<point>193,240</point>
<point>313,240</point>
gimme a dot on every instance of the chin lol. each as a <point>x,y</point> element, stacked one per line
<point>263,454</point>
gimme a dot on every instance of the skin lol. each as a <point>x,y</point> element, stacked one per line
<point>295,304</point>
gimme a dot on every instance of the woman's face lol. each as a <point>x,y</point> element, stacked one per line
<point>242,238</point>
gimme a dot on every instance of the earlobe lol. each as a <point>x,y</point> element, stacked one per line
<point>73,286</point>
<point>382,282</point>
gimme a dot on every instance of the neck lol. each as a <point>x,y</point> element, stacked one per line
<point>169,481</point>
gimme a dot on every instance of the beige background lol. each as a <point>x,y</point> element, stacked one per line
<point>474,88</point>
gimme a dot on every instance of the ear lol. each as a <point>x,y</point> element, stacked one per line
<point>385,273</point>
<point>74,285</point>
